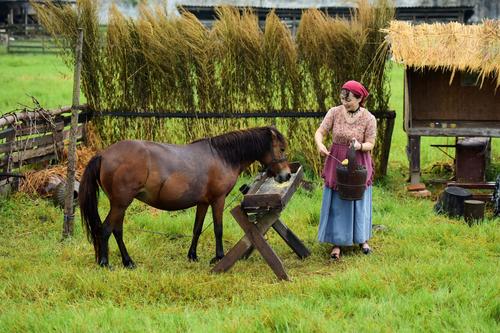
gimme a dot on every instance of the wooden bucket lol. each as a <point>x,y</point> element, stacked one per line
<point>351,179</point>
<point>473,211</point>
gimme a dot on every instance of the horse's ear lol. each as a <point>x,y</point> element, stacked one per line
<point>273,132</point>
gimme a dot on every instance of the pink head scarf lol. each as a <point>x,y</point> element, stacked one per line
<point>358,89</point>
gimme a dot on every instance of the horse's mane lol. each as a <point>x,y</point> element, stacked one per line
<point>244,145</point>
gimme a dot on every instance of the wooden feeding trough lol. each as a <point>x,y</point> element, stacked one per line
<point>259,211</point>
<point>451,85</point>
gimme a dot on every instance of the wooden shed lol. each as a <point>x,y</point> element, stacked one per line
<point>19,17</point>
<point>452,81</point>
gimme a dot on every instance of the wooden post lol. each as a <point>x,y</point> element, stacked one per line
<point>414,150</point>
<point>69,211</point>
<point>25,9</point>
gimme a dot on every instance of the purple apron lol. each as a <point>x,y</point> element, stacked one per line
<point>339,151</point>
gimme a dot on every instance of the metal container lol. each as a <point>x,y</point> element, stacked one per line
<point>351,179</point>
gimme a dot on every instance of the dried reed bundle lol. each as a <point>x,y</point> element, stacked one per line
<point>164,63</point>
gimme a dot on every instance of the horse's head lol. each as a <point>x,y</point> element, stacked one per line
<point>275,159</point>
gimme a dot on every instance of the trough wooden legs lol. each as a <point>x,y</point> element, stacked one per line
<point>254,238</point>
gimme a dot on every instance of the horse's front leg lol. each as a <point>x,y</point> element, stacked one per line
<point>217,210</point>
<point>201,211</point>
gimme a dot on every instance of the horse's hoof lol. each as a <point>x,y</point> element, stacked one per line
<point>216,259</point>
<point>192,257</point>
<point>103,263</point>
<point>129,265</point>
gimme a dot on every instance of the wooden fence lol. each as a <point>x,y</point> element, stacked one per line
<point>32,137</point>
<point>38,44</point>
<point>29,138</point>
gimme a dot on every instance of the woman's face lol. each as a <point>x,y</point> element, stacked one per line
<point>350,102</point>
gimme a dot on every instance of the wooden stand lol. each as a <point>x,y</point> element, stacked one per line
<point>266,201</point>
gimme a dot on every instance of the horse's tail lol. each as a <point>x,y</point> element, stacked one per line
<point>88,197</point>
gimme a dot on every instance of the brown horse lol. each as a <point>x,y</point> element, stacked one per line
<point>173,177</point>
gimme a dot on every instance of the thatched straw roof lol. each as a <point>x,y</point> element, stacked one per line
<point>450,46</point>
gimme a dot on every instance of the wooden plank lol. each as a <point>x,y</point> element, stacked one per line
<point>481,185</point>
<point>253,233</point>
<point>33,160</point>
<point>267,194</point>
<point>254,187</point>
<point>291,189</point>
<point>260,243</point>
<point>291,239</point>
<point>451,101</point>
<point>27,143</point>
<point>30,47</point>
<point>85,117</point>
<point>421,131</point>
<point>444,124</point>
<point>38,141</point>
<point>17,157</point>
<point>39,129</point>
<point>11,118</point>
<point>9,139</point>
<point>294,167</point>
<point>407,103</point>
<point>414,145</point>
<point>482,196</point>
<point>261,202</point>
<point>38,154</point>
<point>6,132</point>
<point>244,245</point>
<point>79,133</point>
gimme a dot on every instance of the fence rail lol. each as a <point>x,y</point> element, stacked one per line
<point>33,137</point>
<point>32,45</point>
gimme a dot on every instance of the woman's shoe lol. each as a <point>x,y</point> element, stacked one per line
<point>365,248</point>
<point>334,255</point>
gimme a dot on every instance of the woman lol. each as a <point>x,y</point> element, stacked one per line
<point>342,222</point>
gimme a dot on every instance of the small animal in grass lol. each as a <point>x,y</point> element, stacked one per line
<point>174,177</point>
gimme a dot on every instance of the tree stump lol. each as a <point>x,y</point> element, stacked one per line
<point>452,200</point>
<point>473,211</point>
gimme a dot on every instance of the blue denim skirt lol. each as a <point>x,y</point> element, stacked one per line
<point>343,222</point>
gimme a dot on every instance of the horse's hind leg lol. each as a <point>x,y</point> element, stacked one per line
<point>118,233</point>
<point>114,224</point>
<point>106,230</point>
<point>201,211</point>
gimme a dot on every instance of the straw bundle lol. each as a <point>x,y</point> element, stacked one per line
<point>42,182</point>
<point>450,46</point>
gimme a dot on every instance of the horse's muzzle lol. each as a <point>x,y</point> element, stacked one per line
<point>283,177</point>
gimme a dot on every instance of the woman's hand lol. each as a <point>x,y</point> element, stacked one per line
<point>318,138</point>
<point>322,149</point>
<point>357,145</point>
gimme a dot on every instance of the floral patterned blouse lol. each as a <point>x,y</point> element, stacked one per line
<point>362,125</point>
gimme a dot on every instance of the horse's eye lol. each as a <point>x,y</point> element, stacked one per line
<point>282,149</point>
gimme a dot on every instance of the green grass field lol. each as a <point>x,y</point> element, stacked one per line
<point>427,273</point>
